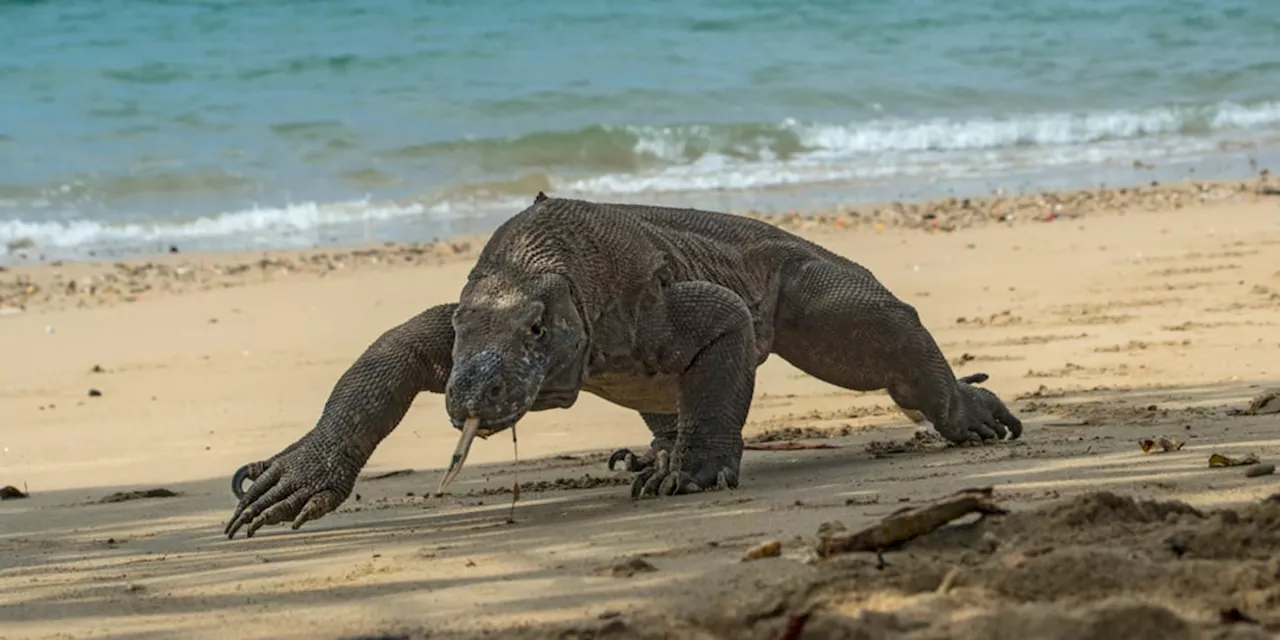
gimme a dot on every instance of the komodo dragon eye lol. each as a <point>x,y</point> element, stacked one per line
<point>536,330</point>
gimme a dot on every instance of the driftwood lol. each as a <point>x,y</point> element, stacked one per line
<point>910,523</point>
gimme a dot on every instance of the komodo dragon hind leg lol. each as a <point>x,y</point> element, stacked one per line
<point>663,428</point>
<point>712,342</point>
<point>838,324</point>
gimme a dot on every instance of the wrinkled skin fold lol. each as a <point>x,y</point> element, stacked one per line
<point>665,311</point>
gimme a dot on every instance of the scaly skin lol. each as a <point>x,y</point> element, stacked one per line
<point>665,311</point>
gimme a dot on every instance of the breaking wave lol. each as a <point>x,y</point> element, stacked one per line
<point>621,161</point>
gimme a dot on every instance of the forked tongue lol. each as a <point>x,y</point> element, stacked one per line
<point>469,430</point>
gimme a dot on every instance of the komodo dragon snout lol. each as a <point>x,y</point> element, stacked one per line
<point>514,340</point>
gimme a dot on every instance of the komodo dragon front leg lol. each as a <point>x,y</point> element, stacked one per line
<point>711,344</point>
<point>315,474</point>
<point>836,322</point>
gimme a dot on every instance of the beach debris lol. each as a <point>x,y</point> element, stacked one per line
<point>1070,422</point>
<point>390,474</point>
<point>922,440</point>
<point>95,393</point>
<point>10,492</point>
<point>97,368</point>
<point>1161,445</point>
<point>910,523</point>
<point>124,496</point>
<point>832,527</point>
<point>766,549</point>
<point>626,568</point>
<point>1259,470</point>
<point>788,445</point>
<point>1218,460</point>
<point>1265,403</point>
<point>470,429</point>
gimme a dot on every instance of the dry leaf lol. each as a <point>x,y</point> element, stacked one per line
<point>1219,460</point>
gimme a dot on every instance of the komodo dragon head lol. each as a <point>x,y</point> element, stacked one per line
<point>518,336</point>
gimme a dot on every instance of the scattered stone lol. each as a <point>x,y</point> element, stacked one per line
<point>766,549</point>
<point>10,492</point>
<point>94,393</point>
<point>1162,445</point>
<point>1267,402</point>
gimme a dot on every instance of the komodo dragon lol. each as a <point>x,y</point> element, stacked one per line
<point>665,311</point>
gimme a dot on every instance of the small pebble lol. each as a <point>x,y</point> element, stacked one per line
<point>767,549</point>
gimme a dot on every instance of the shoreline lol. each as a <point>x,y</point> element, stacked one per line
<point>58,284</point>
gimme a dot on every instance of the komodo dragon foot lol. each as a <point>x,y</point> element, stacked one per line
<point>663,478</point>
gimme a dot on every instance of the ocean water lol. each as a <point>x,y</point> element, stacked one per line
<point>132,125</point>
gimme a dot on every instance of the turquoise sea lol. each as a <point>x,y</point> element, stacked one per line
<point>130,125</point>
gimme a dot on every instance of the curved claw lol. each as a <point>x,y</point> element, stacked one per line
<point>986,419</point>
<point>641,481</point>
<point>622,455</point>
<point>662,480</point>
<point>301,483</point>
<point>237,481</point>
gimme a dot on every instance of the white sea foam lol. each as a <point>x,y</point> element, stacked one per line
<point>939,148</point>
<point>266,222</point>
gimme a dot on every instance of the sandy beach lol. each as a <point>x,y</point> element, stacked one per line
<point>1103,317</point>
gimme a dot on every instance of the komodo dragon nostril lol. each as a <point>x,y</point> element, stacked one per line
<point>495,390</point>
